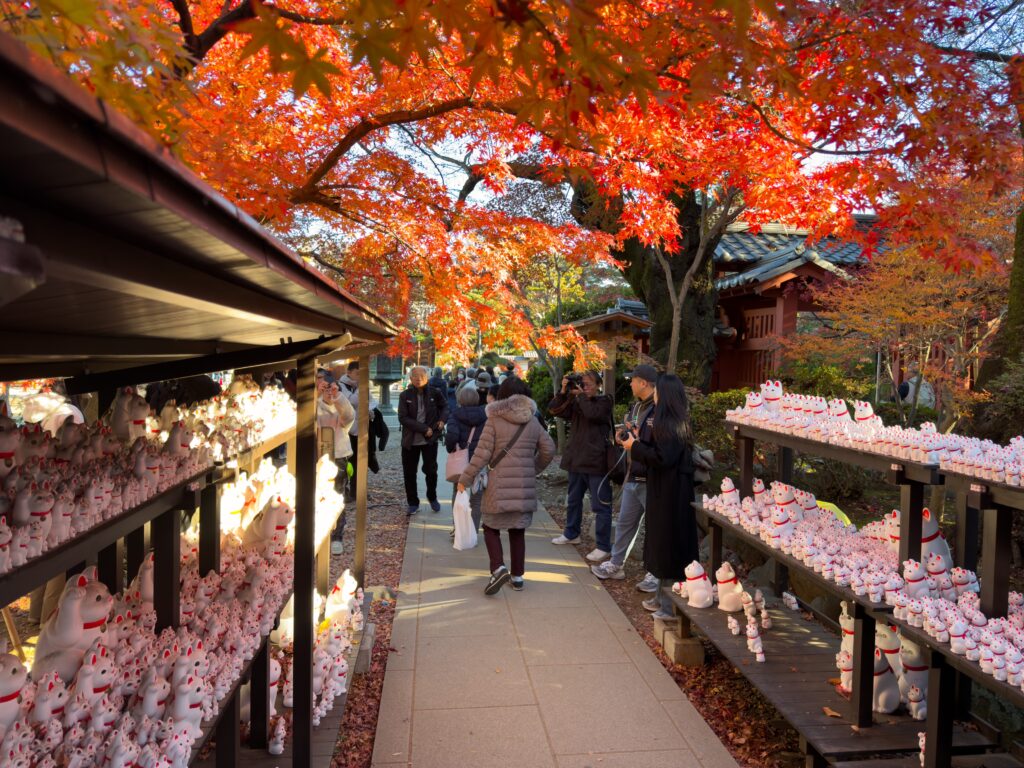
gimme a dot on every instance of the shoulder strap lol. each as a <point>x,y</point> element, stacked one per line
<point>504,451</point>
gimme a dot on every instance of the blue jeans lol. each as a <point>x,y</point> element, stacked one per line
<point>581,483</point>
<point>631,512</point>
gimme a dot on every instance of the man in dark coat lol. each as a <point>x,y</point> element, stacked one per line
<point>585,459</point>
<point>422,412</point>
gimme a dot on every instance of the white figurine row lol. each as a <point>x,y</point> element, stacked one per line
<point>58,487</point>
<point>934,596</point>
<point>829,421</point>
<point>732,598</point>
<point>107,690</point>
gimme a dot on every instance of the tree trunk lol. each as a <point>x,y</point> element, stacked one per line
<point>1010,342</point>
<point>696,345</point>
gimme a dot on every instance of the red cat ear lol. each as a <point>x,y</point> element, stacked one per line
<point>82,581</point>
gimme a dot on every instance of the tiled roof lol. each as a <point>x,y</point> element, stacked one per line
<point>782,261</point>
<point>777,249</point>
<point>746,248</point>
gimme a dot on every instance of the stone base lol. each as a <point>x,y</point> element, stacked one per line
<point>662,626</point>
<point>686,651</point>
<point>365,654</point>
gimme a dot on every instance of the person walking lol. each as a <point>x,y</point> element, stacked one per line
<point>585,458</point>
<point>671,541</point>
<point>422,412</point>
<point>350,388</point>
<point>515,449</point>
<point>465,425</point>
<point>634,491</point>
<point>334,410</point>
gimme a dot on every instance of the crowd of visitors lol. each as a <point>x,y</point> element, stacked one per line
<point>489,417</point>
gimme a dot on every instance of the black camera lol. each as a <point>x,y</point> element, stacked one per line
<point>575,380</point>
<point>623,431</point>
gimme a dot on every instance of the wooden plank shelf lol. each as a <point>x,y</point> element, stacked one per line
<point>60,559</point>
<point>997,760</point>
<point>1011,496</point>
<point>800,660</point>
<point>929,474</point>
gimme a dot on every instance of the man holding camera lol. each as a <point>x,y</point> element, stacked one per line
<point>585,457</point>
<point>634,490</point>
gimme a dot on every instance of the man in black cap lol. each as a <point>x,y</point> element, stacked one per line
<point>634,490</point>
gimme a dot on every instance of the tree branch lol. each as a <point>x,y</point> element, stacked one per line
<point>366,127</point>
<point>979,55</point>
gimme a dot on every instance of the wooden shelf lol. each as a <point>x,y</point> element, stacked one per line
<point>800,659</point>
<point>56,561</point>
<point>928,474</point>
<point>1011,496</point>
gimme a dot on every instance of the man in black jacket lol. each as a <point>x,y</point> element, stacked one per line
<point>585,459</point>
<point>422,412</point>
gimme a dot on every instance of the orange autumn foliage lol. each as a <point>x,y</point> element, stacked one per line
<point>370,116</point>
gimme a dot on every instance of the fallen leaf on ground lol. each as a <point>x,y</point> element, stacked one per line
<point>830,712</point>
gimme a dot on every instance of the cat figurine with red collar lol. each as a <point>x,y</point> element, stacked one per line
<point>13,677</point>
<point>771,396</point>
<point>730,591</point>
<point>932,541</point>
<point>80,619</point>
<point>698,586</point>
<point>96,675</point>
<point>51,696</point>
<point>886,690</point>
<point>187,707</point>
<point>275,516</point>
<point>915,669</point>
<point>10,440</point>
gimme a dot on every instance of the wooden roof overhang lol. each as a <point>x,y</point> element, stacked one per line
<point>612,325</point>
<point>128,257</point>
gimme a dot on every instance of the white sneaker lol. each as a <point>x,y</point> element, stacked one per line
<point>608,570</point>
<point>649,584</point>
<point>597,555</point>
<point>560,539</point>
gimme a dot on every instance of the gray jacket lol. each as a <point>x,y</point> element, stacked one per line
<point>511,494</point>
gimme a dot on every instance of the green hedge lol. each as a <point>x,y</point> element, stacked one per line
<point>707,416</point>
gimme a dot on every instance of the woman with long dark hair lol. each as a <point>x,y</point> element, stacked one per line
<point>670,543</point>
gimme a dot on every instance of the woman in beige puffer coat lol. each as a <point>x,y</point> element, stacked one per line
<point>511,494</point>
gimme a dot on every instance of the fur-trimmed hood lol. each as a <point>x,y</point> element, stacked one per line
<point>517,409</point>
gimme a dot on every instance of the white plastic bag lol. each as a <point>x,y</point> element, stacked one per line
<point>465,532</point>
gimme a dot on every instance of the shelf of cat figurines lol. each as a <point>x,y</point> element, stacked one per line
<point>822,576</point>
<point>934,605</point>
<point>71,495</point>
<point>928,474</point>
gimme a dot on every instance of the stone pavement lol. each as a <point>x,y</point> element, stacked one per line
<point>554,675</point>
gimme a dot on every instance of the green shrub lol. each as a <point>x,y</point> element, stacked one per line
<point>707,416</point>
<point>539,380</point>
<point>999,417</point>
<point>808,378</point>
<point>890,413</point>
<point>831,480</point>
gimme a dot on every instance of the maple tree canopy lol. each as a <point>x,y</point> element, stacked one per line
<point>366,126</point>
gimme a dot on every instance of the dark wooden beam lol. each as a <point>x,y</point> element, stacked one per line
<point>19,343</point>
<point>207,364</point>
<point>84,255</point>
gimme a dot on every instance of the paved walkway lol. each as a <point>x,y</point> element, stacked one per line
<point>554,675</point>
